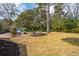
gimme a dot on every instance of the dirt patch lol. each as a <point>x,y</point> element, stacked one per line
<point>73,41</point>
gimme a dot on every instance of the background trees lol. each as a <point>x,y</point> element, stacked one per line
<point>32,20</point>
<point>58,17</point>
<point>65,17</point>
<point>65,20</point>
<point>6,24</point>
<point>39,19</point>
<point>8,11</point>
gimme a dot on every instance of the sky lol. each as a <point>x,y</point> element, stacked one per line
<point>25,6</point>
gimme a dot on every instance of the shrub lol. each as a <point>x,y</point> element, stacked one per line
<point>75,30</point>
<point>14,31</point>
<point>70,25</point>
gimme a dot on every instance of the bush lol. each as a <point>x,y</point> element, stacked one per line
<point>75,30</point>
<point>67,30</point>
<point>23,29</point>
<point>70,25</point>
<point>14,31</point>
<point>65,25</point>
<point>57,25</point>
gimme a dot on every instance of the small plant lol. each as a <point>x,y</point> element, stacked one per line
<point>24,30</point>
<point>14,32</point>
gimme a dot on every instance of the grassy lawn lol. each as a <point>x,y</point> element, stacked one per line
<point>54,43</point>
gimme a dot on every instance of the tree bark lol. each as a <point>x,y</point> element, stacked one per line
<point>48,18</point>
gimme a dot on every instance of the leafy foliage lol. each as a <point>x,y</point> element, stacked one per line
<point>37,19</point>
<point>32,20</point>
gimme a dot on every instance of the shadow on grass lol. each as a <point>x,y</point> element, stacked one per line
<point>38,34</point>
<point>3,32</point>
<point>73,41</point>
<point>8,48</point>
<point>5,39</point>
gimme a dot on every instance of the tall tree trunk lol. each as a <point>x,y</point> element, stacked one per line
<point>77,9</point>
<point>48,18</point>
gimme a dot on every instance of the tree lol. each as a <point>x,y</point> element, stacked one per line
<point>41,15</point>
<point>8,10</point>
<point>25,19</point>
<point>76,10</point>
<point>70,12</point>
<point>58,10</point>
<point>34,19</point>
<point>65,19</point>
<point>58,17</point>
<point>48,17</point>
<point>46,7</point>
<point>6,24</point>
<point>0,25</point>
